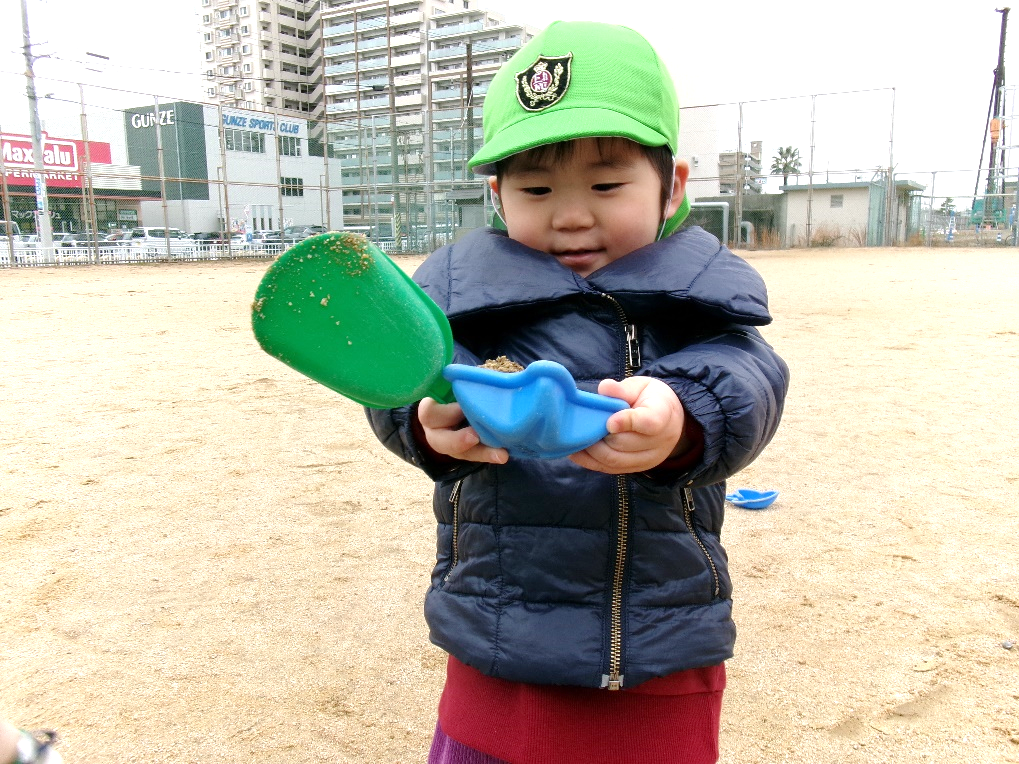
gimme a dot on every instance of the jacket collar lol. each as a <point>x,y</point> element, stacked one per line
<point>487,270</point>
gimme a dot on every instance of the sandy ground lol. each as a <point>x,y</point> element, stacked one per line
<point>209,558</point>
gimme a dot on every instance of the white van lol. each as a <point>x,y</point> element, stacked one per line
<point>9,224</point>
<point>152,241</point>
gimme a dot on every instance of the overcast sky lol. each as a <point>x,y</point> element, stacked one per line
<point>939,58</point>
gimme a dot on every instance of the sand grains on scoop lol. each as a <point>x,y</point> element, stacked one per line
<point>502,363</point>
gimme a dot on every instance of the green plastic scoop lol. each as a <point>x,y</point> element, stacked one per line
<point>338,310</point>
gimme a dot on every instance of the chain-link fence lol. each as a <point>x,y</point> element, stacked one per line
<point>169,180</point>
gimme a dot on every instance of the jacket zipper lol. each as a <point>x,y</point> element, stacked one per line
<point>454,499</point>
<point>688,509</point>
<point>613,680</point>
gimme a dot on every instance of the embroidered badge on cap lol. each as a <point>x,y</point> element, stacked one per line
<point>544,82</point>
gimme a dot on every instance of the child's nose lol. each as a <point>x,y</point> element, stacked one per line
<point>572,214</point>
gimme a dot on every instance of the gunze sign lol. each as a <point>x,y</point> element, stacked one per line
<point>166,117</point>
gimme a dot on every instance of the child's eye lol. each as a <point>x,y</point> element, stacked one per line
<point>606,186</point>
<point>537,190</point>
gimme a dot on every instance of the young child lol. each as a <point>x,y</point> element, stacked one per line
<point>585,602</point>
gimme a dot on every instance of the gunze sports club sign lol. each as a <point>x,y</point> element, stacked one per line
<point>63,159</point>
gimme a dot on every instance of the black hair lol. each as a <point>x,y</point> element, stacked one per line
<point>660,157</point>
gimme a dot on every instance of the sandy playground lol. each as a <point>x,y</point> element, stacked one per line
<point>208,557</point>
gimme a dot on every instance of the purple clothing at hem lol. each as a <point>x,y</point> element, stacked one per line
<point>446,750</point>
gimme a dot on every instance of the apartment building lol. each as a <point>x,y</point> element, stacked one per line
<point>735,167</point>
<point>404,84</point>
<point>263,54</point>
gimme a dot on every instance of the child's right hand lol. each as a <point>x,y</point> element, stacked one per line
<point>447,432</point>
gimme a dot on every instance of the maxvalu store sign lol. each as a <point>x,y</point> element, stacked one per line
<point>63,159</point>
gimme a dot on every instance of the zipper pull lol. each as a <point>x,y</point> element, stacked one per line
<point>612,682</point>
<point>632,348</point>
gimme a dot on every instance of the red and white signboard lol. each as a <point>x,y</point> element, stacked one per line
<point>63,159</point>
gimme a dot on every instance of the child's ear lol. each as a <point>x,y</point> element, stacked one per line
<point>493,183</point>
<point>679,178</point>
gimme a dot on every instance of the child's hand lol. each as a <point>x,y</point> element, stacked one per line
<point>640,437</point>
<point>447,433</point>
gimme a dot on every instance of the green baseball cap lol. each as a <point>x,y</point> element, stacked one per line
<point>578,79</point>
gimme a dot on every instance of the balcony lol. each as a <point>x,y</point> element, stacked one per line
<point>408,100</point>
<point>338,30</point>
<point>450,31</point>
<point>343,68</point>
<point>407,59</point>
<point>456,51</point>
<point>338,50</point>
<point>373,44</point>
<point>510,43</point>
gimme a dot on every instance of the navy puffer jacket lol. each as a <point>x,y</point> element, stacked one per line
<point>550,573</point>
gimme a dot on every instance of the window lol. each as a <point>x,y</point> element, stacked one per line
<point>208,55</point>
<point>244,140</point>
<point>289,145</point>
<point>245,29</point>
<point>246,68</point>
<point>206,18</point>
<point>243,11</point>
<point>212,92</point>
<point>224,14</point>
<point>836,200</point>
<point>210,74</point>
<point>245,49</point>
<point>226,52</point>
<point>207,36</point>
<point>292,186</point>
<point>248,87</point>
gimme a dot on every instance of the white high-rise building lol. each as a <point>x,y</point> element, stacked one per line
<point>397,85</point>
<point>404,84</point>
<point>263,54</point>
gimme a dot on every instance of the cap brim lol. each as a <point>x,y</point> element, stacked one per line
<point>543,128</point>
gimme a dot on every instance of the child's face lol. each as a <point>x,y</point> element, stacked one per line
<point>596,206</point>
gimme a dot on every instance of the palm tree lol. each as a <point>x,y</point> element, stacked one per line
<point>786,163</point>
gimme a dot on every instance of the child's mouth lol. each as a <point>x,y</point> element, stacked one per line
<point>576,255</point>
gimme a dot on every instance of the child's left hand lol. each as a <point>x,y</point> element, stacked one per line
<point>642,436</point>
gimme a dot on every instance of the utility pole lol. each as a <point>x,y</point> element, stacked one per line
<point>470,108</point>
<point>394,163</point>
<point>44,228</point>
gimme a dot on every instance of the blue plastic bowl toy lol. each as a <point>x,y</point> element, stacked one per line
<point>537,413</point>
<point>750,499</point>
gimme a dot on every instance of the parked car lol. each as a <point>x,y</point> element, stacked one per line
<point>116,239</point>
<point>15,230</point>
<point>266,237</point>
<point>76,239</point>
<point>295,233</point>
<point>153,240</point>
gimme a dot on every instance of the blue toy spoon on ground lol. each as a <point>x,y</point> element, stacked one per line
<point>750,499</point>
